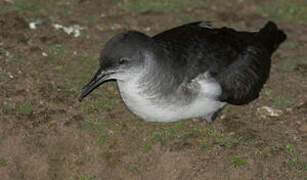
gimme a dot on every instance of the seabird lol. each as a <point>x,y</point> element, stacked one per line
<point>191,71</point>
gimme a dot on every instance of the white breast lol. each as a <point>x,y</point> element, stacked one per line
<point>163,111</point>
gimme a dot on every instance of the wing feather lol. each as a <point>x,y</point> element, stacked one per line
<point>237,60</point>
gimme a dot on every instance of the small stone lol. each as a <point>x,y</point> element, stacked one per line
<point>44,54</point>
<point>32,25</point>
<point>11,76</point>
<point>115,26</point>
<point>147,29</point>
<point>289,109</point>
<point>231,133</point>
<point>303,128</point>
<point>265,111</point>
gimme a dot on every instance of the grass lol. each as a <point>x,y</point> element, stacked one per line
<point>19,6</point>
<point>226,141</point>
<point>281,101</point>
<point>94,124</point>
<point>90,106</point>
<point>81,176</point>
<point>102,139</point>
<point>3,76</point>
<point>287,65</point>
<point>135,166</point>
<point>178,132</point>
<point>34,8</point>
<point>25,108</point>
<point>213,138</point>
<point>153,138</point>
<point>237,161</point>
<point>56,53</point>
<point>267,91</point>
<point>96,105</point>
<point>111,158</point>
<point>7,108</point>
<point>168,133</point>
<point>294,161</point>
<point>66,87</point>
<point>295,10</point>
<point>265,151</point>
<point>251,143</point>
<point>3,162</point>
<point>143,6</point>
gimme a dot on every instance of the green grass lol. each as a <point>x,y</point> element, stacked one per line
<point>35,8</point>
<point>94,124</point>
<point>25,108</point>
<point>18,6</point>
<point>294,161</point>
<point>3,162</point>
<point>59,69</point>
<point>7,108</point>
<point>142,6</point>
<point>96,105</point>
<point>294,10</point>
<point>227,141</point>
<point>167,133</point>
<point>297,163</point>
<point>290,147</point>
<point>265,151</point>
<point>3,76</point>
<point>267,91</point>
<point>153,138</point>
<point>251,143</point>
<point>237,161</point>
<point>81,176</point>
<point>66,87</point>
<point>90,106</point>
<point>136,165</point>
<point>102,140</point>
<point>56,53</point>
<point>281,101</point>
<point>287,65</point>
<point>200,136</point>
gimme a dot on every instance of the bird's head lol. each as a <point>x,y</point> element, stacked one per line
<point>122,58</point>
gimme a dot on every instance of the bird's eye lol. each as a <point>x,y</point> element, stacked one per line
<point>123,60</point>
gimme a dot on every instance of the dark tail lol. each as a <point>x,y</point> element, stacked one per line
<point>271,36</point>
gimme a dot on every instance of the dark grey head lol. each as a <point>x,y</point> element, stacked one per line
<point>121,58</point>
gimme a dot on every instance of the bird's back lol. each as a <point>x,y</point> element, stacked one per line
<point>239,61</point>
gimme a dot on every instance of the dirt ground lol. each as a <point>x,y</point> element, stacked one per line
<point>45,133</point>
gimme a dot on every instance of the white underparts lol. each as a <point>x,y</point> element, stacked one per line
<point>160,110</point>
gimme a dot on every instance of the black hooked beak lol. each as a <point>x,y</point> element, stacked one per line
<point>100,77</point>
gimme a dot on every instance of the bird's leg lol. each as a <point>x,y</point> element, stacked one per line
<point>212,116</point>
